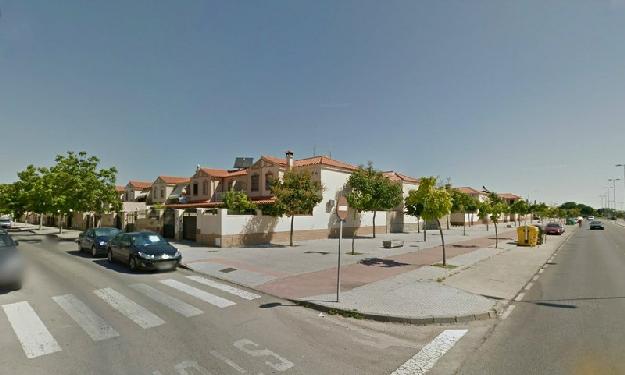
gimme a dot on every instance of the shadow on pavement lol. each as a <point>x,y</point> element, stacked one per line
<point>558,305</point>
<point>120,268</point>
<point>271,305</point>
<point>317,252</point>
<point>465,246</point>
<point>382,262</point>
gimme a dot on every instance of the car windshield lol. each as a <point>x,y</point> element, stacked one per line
<point>144,239</point>
<point>553,225</point>
<point>5,220</point>
<point>595,222</point>
<point>6,241</point>
<point>109,232</point>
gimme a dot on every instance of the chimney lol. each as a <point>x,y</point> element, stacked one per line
<point>289,160</point>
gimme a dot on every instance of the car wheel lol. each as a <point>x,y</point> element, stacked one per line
<point>132,263</point>
<point>94,252</point>
<point>110,255</point>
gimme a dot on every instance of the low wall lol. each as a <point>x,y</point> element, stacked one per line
<point>149,223</point>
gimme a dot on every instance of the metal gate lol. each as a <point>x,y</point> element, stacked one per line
<point>189,225</point>
<point>169,223</point>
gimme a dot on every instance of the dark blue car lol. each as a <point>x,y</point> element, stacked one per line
<point>96,240</point>
<point>144,250</point>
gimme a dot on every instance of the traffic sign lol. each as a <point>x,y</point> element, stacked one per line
<point>342,208</point>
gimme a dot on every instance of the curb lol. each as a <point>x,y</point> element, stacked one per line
<point>435,320</point>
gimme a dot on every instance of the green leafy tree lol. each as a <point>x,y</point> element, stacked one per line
<point>77,184</point>
<point>238,202</point>
<point>11,200</point>
<point>520,208</point>
<point>461,203</point>
<point>370,190</point>
<point>436,202</point>
<point>484,211</point>
<point>34,187</point>
<point>414,207</point>
<point>296,194</point>
<point>497,208</point>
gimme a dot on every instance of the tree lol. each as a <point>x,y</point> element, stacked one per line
<point>436,202</point>
<point>77,184</point>
<point>370,190</point>
<point>238,202</point>
<point>297,193</point>
<point>484,211</point>
<point>497,208</point>
<point>414,208</point>
<point>34,186</point>
<point>520,208</point>
<point>461,202</point>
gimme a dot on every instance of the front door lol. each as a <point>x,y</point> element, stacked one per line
<point>189,226</point>
<point>169,223</point>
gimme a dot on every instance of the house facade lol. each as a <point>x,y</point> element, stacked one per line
<point>168,187</point>
<point>398,220</point>
<point>136,191</point>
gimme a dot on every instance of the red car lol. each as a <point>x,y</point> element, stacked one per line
<point>554,228</point>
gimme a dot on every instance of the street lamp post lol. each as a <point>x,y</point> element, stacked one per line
<point>622,165</point>
<point>613,180</point>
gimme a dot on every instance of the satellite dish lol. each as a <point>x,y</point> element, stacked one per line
<point>243,162</point>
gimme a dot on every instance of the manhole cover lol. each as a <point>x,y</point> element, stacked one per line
<point>227,270</point>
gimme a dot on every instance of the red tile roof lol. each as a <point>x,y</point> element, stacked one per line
<point>509,196</point>
<point>468,190</point>
<point>140,184</point>
<point>313,160</point>
<point>224,172</point>
<point>170,180</point>
<point>396,176</point>
<point>120,188</point>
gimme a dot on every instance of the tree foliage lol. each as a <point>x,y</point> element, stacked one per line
<point>432,203</point>
<point>238,202</point>
<point>462,203</point>
<point>370,190</point>
<point>297,193</point>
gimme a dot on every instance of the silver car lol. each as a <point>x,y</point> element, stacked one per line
<point>5,223</point>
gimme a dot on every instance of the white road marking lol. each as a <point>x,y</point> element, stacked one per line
<point>519,297</point>
<point>507,312</point>
<point>96,327</point>
<point>228,361</point>
<point>173,303</point>
<point>223,287</point>
<point>529,286</point>
<point>198,293</point>
<point>138,314</point>
<point>541,270</point>
<point>250,347</point>
<point>535,278</point>
<point>35,338</point>
<point>427,357</point>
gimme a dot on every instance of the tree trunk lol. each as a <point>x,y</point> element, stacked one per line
<point>464,223</point>
<point>440,229</point>
<point>496,235</point>
<point>425,231</point>
<point>40,221</point>
<point>374,214</point>
<point>291,233</point>
<point>448,222</point>
<point>418,224</point>
<point>60,223</point>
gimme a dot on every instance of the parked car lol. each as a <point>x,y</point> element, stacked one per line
<point>96,240</point>
<point>596,224</point>
<point>143,250</point>
<point>591,218</point>
<point>6,222</point>
<point>11,263</point>
<point>554,228</point>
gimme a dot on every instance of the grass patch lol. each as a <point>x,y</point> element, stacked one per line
<point>448,267</point>
<point>347,314</point>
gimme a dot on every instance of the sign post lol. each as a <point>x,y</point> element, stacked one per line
<point>341,212</point>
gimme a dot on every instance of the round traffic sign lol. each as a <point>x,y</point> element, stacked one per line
<point>342,208</point>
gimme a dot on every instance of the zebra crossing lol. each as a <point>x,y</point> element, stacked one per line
<point>35,337</point>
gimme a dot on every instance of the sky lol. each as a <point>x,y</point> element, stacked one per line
<point>518,96</point>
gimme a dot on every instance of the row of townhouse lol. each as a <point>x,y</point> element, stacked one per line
<point>190,208</point>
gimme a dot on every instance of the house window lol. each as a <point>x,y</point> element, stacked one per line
<point>255,182</point>
<point>162,193</point>
<point>195,189</point>
<point>268,178</point>
<point>205,187</point>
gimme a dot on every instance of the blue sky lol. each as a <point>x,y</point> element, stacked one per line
<point>525,96</point>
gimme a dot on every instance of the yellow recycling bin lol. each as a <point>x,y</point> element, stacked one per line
<point>527,235</point>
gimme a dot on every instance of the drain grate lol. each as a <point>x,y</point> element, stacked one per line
<point>227,270</point>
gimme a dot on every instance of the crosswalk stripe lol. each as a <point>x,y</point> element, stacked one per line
<point>173,303</point>
<point>427,357</point>
<point>223,287</point>
<point>35,338</point>
<point>96,327</point>
<point>138,314</point>
<point>198,293</point>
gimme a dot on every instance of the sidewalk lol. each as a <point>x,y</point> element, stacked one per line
<point>388,284</point>
<point>66,235</point>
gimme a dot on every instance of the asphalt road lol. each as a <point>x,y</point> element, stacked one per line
<point>77,315</point>
<point>571,321</point>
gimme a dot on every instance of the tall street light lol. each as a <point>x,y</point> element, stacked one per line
<point>622,165</point>
<point>613,180</point>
